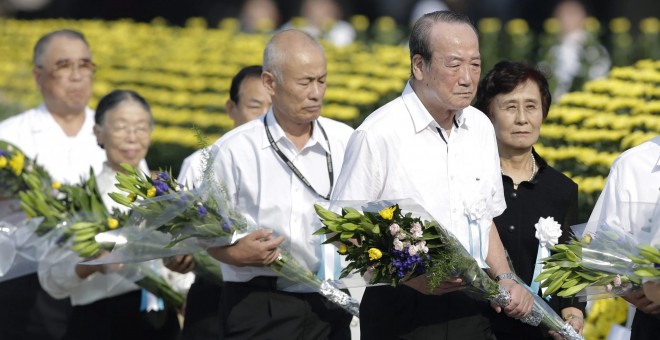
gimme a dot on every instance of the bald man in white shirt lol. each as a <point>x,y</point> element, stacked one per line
<point>274,169</point>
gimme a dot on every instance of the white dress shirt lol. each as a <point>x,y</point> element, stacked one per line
<point>67,159</point>
<point>630,199</point>
<point>192,169</point>
<point>398,153</point>
<point>263,187</point>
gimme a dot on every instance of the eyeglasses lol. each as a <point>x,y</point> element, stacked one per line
<point>65,68</point>
<point>124,130</point>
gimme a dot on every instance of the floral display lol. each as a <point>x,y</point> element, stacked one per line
<point>606,263</point>
<point>174,220</point>
<point>16,169</point>
<point>73,215</point>
<point>386,244</point>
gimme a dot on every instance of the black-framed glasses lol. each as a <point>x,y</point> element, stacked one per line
<point>64,68</point>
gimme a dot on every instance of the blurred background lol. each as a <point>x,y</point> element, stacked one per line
<point>602,56</point>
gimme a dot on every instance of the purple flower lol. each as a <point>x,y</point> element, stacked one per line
<point>404,263</point>
<point>161,187</point>
<point>226,227</point>
<point>201,210</point>
<point>163,176</point>
<point>4,153</point>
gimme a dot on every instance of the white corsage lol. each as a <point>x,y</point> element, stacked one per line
<point>548,231</point>
<point>476,210</point>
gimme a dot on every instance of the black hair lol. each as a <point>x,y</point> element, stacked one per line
<point>113,99</point>
<point>505,77</point>
<point>248,71</point>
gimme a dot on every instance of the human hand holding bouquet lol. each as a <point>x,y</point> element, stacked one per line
<point>177,220</point>
<point>387,245</point>
<point>606,263</point>
<point>76,215</point>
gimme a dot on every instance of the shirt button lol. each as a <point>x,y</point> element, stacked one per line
<point>512,228</point>
<point>514,195</point>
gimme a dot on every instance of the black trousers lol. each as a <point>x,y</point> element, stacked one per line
<point>29,312</point>
<point>120,318</point>
<point>256,310</point>
<point>645,327</point>
<point>404,313</point>
<point>202,311</point>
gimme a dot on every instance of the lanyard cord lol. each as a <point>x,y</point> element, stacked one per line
<point>295,170</point>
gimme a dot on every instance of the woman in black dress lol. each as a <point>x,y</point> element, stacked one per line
<point>541,202</point>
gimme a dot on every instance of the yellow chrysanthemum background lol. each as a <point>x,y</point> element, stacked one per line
<point>185,74</point>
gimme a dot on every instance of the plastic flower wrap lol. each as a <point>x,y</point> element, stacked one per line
<point>612,258</point>
<point>172,220</point>
<point>391,242</point>
<point>72,216</point>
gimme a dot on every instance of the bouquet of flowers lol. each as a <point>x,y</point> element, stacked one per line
<point>20,248</point>
<point>73,215</point>
<point>172,220</point>
<point>386,244</point>
<point>608,262</point>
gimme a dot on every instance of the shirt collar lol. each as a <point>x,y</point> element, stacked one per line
<point>420,115</point>
<point>46,120</point>
<point>278,133</point>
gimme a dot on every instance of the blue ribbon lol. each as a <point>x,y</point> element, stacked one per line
<point>144,301</point>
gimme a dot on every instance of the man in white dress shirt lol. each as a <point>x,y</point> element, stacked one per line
<point>248,99</point>
<point>274,169</point>
<point>59,134</point>
<point>630,196</point>
<point>431,145</point>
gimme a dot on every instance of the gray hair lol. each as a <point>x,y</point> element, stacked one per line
<point>44,41</point>
<point>275,55</point>
<point>420,37</point>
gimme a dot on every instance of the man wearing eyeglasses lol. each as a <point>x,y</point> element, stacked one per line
<point>59,135</point>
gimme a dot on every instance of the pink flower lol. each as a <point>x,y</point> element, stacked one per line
<point>412,250</point>
<point>617,281</point>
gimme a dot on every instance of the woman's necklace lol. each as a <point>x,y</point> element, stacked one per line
<point>530,177</point>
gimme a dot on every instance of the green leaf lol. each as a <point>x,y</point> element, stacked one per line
<point>573,290</point>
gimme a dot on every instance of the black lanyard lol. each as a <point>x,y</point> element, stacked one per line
<point>295,170</point>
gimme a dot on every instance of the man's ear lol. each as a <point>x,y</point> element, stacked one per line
<point>230,107</point>
<point>418,65</point>
<point>269,82</point>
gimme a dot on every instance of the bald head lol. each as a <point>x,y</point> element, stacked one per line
<point>286,46</point>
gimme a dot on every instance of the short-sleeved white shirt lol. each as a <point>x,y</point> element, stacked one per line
<point>67,159</point>
<point>263,187</point>
<point>398,153</point>
<point>630,199</point>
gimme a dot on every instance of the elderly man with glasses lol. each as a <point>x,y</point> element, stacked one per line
<point>59,134</point>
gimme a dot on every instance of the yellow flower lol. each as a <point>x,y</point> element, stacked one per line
<point>375,254</point>
<point>151,192</point>
<point>587,238</point>
<point>342,249</point>
<point>3,162</point>
<point>113,223</point>
<point>132,197</point>
<point>387,213</point>
<point>56,185</point>
<point>16,163</point>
